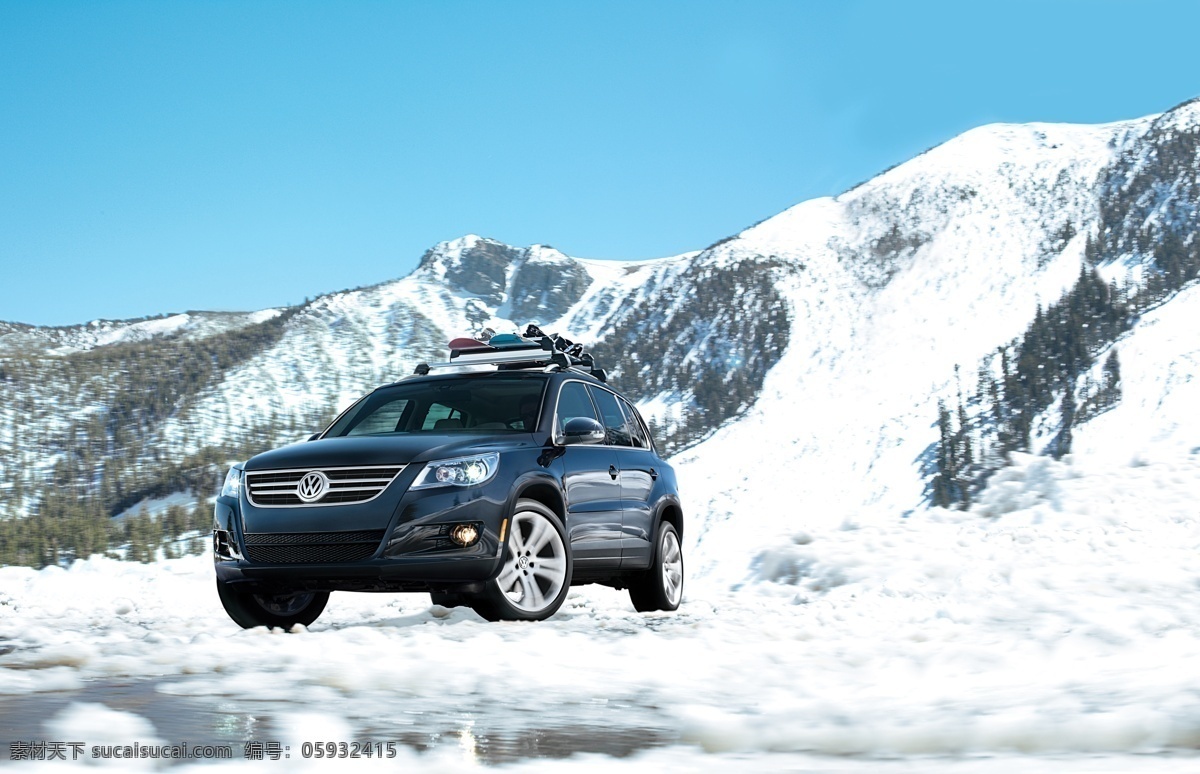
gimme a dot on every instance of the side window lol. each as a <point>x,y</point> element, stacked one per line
<point>384,418</point>
<point>616,432</point>
<point>573,401</point>
<point>636,431</point>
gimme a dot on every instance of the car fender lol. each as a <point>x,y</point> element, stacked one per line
<point>540,482</point>
<point>661,506</point>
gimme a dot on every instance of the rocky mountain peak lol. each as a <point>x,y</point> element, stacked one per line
<point>530,283</point>
<point>472,265</point>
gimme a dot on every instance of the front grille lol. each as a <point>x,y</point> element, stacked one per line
<point>312,547</point>
<point>278,488</point>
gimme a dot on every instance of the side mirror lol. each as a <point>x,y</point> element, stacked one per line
<point>314,436</point>
<point>582,430</point>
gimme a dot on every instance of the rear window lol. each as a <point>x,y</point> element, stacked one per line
<point>637,430</point>
<point>492,404</point>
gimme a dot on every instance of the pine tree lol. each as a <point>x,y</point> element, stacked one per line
<point>1067,418</point>
<point>943,490</point>
<point>963,438</point>
<point>1110,390</point>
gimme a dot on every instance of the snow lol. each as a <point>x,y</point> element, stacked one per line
<point>1036,624</point>
<point>1160,385</point>
<point>830,621</point>
<point>104,333</point>
<point>100,725</point>
<point>971,247</point>
<point>970,228</point>
<point>262,316</point>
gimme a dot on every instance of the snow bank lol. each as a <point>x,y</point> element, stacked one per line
<point>1056,615</point>
<point>1054,618</point>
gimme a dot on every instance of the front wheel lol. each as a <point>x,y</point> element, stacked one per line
<point>536,574</point>
<point>661,587</point>
<point>249,609</point>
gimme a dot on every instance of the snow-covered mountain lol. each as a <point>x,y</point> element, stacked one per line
<point>17,339</point>
<point>808,351</point>
<point>833,620</point>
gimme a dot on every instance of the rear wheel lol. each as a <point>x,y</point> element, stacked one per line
<point>536,574</point>
<point>249,609</point>
<point>661,587</point>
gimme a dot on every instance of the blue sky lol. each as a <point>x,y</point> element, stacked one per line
<point>165,156</point>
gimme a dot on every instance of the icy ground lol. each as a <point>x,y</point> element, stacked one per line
<point>1050,628</point>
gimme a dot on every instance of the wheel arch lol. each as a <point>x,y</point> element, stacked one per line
<point>671,512</point>
<point>542,489</point>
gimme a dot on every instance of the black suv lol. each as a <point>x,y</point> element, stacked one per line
<point>497,480</point>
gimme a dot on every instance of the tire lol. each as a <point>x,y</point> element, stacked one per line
<point>249,610</point>
<point>661,587</point>
<point>536,573</point>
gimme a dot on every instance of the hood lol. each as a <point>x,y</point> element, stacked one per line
<point>384,450</point>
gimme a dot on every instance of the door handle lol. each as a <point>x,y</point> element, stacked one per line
<point>653,474</point>
<point>612,471</point>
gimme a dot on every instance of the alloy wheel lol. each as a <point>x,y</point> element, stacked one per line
<point>535,566</point>
<point>672,567</point>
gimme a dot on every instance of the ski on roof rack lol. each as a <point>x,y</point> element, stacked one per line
<point>509,351</point>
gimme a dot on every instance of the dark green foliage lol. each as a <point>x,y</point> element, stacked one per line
<point>1066,419</point>
<point>1149,196</point>
<point>1102,397</point>
<point>712,344</point>
<point>69,526</point>
<point>1057,347</point>
<point>944,491</point>
<point>108,461</point>
<point>1148,215</point>
<point>954,458</point>
<point>1038,370</point>
<point>63,528</point>
<point>161,373</point>
<point>144,537</point>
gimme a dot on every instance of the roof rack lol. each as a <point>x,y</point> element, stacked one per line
<point>534,350</point>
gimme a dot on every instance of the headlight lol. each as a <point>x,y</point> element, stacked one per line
<point>233,483</point>
<point>460,471</point>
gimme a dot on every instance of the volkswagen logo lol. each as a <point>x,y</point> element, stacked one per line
<point>312,487</point>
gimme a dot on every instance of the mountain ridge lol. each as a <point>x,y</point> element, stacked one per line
<point>1184,109</point>
<point>841,319</point>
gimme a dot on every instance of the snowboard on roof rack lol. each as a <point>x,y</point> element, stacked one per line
<point>511,341</point>
<point>463,343</point>
<point>510,351</point>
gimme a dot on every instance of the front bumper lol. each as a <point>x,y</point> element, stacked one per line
<point>444,574</point>
<point>413,552</point>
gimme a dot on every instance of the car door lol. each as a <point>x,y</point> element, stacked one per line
<point>592,486</point>
<point>640,486</point>
<point>637,475</point>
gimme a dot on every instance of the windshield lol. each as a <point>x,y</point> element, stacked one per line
<point>462,404</point>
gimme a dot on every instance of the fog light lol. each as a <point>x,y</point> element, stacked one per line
<point>464,534</point>
<point>223,546</point>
